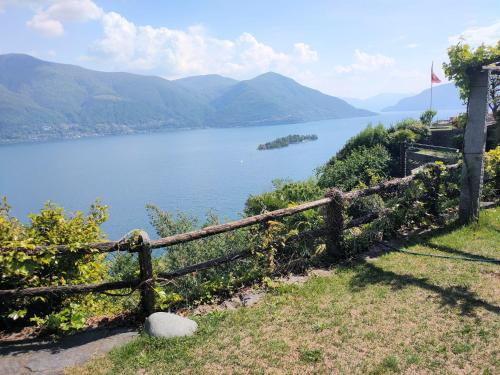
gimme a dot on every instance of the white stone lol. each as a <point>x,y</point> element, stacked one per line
<point>162,324</point>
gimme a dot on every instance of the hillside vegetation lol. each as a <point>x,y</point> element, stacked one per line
<point>398,313</point>
<point>42,100</point>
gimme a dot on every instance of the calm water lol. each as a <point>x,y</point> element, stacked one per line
<point>193,171</point>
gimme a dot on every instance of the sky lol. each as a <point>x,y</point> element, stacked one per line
<point>349,48</point>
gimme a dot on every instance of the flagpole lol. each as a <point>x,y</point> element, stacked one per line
<point>432,71</point>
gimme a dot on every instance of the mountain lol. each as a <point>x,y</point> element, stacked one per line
<point>40,99</point>
<point>377,102</point>
<point>46,100</point>
<point>443,97</point>
<point>209,86</point>
<point>274,99</point>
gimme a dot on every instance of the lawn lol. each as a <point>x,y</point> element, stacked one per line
<point>397,313</point>
<point>438,154</point>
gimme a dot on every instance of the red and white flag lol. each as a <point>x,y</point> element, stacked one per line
<point>434,78</point>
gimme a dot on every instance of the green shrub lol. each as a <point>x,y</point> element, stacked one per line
<point>491,190</point>
<point>366,205</point>
<point>296,255</point>
<point>285,193</point>
<point>459,121</point>
<point>51,226</point>
<point>362,167</point>
<point>427,116</point>
<point>205,285</point>
<point>420,130</point>
<point>368,137</point>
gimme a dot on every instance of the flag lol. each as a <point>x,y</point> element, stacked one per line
<point>434,78</point>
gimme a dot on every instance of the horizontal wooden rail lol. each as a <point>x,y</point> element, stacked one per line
<point>391,185</point>
<point>98,288</point>
<point>221,228</point>
<point>313,233</point>
<point>98,247</point>
<point>69,289</point>
<point>383,187</point>
<point>178,238</point>
<point>205,265</point>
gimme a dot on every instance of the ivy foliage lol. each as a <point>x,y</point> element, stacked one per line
<point>48,267</point>
<point>462,58</point>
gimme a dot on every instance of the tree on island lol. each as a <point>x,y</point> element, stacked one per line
<point>285,141</point>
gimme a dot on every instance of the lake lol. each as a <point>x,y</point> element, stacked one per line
<point>193,171</point>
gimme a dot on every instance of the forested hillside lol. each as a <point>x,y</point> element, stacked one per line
<point>43,100</point>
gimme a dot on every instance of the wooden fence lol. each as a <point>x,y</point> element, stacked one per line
<point>333,203</point>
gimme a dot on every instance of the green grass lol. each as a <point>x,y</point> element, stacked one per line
<point>398,313</point>
<point>438,153</point>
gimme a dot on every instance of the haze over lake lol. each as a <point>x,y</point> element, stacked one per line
<point>193,171</point>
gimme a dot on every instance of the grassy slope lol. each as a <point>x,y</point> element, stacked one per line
<point>398,313</point>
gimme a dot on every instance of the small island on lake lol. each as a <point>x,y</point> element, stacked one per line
<point>285,141</point>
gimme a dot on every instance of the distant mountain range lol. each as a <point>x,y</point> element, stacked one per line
<point>44,100</point>
<point>377,102</point>
<point>443,97</point>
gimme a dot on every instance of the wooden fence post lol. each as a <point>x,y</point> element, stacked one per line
<point>474,144</point>
<point>334,222</point>
<point>146,269</point>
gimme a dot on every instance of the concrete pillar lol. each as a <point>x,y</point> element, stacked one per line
<point>474,144</point>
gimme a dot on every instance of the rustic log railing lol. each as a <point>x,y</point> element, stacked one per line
<point>334,203</point>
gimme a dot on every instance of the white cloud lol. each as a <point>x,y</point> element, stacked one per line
<point>477,35</point>
<point>50,20</point>
<point>46,25</point>
<point>175,53</point>
<point>305,52</point>
<point>412,45</point>
<point>365,62</point>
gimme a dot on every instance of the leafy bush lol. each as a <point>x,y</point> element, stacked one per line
<point>206,285</point>
<point>420,131</point>
<point>427,116</point>
<point>266,241</point>
<point>491,188</point>
<point>366,205</point>
<point>284,194</point>
<point>295,255</point>
<point>459,121</point>
<point>363,167</point>
<point>405,131</point>
<point>51,226</point>
<point>368,137</point>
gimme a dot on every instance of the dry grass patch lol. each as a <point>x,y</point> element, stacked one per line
<point>399,313</point>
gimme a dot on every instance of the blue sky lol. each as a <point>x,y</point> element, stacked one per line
<point>345,48</point>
